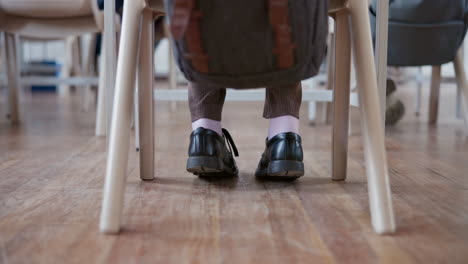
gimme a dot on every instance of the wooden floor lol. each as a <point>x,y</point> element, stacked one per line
<point>52,170</point>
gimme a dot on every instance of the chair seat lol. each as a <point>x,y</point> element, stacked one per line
<point>47,8</point>
<point>336,5</point>
<point>43,28</point>
<point>156,5</point>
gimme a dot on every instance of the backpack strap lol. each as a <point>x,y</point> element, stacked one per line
<point>279,20</point>
<point>185,22</point>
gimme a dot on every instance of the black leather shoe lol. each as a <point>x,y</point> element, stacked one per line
<point>282,158</point>
<point>209,154</point>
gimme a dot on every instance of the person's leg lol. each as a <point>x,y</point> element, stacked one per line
<point>395,108</point>
<point>282,106</point>
<point>211,148</point>
<point>206,106</point>
<point>283,156</point>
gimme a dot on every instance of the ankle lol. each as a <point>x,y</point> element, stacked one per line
<point>208,124</point>
<point>283,124</point>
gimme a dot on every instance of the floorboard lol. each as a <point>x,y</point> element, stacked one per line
<point>52,170</point>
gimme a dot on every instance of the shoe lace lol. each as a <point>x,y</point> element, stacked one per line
<point>230,142</point>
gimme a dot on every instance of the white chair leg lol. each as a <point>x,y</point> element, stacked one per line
<point>77,65</point>
<point>381,47</point>
<point>81,67</point>
<point>172,68</point>
<point>463,84</point>
<point>311,105</point>
<point>64,90</point>
<point>459,98</point>
<point>312,110</point>
<point>145,95</point>
<point>458,104</point>
<point>381,208</point>
<point>341,97</point>
<point>434,97</point>
<point>101,116</point>
<point>173,79</point>
<point>114,187</point>
<point>419,81</point>
<point>327,107</point>
<point>136,116</point>
<point>13,73</point>
<point>88,71</point>
<point>321,114</point>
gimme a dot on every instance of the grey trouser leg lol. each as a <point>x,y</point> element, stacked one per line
<point>207,101</point>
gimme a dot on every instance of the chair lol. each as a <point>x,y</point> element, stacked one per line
<point>460,78</point>
<point>43,20</point>
<point>352,31</point>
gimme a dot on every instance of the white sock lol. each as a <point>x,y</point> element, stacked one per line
<point>283,124</point>
<point>208,124</point>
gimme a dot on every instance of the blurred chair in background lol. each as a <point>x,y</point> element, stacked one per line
<point>428,33</point>
<point>46,20</point>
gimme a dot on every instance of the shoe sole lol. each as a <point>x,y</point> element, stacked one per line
<point>282,169</point>
<point>204,166</point>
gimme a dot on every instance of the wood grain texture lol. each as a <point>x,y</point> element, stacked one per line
<point>52,171</point>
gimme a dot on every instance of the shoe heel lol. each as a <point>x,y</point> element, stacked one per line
<point>202,165</point>
<point>286,169</point>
